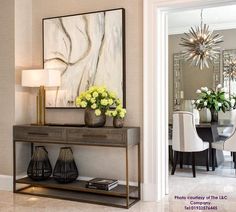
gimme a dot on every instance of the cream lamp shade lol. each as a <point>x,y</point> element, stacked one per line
<point>41,77</point>
<point>33,78</point>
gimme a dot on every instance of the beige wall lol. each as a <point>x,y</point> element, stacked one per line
<point>23,59</point>
<point>195,78</point>
<point>7,84</point>
<point>44,8</point>
<point>174,47</point>
<point>17,103</point>
<point>94,157</point>
<point>24,103</point>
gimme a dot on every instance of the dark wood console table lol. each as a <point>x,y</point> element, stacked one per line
<point>123,196</point>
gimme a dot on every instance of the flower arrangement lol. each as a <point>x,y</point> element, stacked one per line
<point>213,100</point>
<point>119,112</point>
<point>233,101</point>
<point>101,101</point>
<point>97,98</point>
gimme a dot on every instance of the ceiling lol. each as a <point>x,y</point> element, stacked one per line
<point>219,18</point>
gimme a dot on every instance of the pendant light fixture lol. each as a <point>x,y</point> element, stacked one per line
<point>201,45</point>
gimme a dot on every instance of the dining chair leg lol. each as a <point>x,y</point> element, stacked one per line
<point>234,159</point>
<point>207,159</point>
<point>181,159</point>
<point>213,155</point>
<point>171,156</point>
<point>175,162</point>
<point>193,164</point>
<point>216,163</point>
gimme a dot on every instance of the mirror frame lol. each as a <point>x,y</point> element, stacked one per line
<point>178,72</point>
<point>226,54</point>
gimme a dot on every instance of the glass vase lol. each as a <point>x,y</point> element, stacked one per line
<point>39,167</point>
<point>205,115</point>
<point>65,170</point>
<point>214,115</point>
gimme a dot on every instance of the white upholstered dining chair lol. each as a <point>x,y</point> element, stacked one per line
<point>227,145</point>
<point>230,117</point>
<point>186,139</point>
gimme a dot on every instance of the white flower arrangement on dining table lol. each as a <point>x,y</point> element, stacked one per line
<point>213,99</point>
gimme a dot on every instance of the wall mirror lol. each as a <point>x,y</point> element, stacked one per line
<point>187,79</point>
<point>229,83</point>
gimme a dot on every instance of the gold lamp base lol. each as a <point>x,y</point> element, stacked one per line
<point>41,106</point>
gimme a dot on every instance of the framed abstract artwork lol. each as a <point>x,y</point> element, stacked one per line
<point>88,49</point>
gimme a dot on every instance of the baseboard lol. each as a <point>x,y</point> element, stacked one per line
<point>149,192</point>
<point>6,183</point>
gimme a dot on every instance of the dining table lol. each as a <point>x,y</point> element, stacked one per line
<point>209,132</point>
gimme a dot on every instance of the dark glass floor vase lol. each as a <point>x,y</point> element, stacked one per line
<point>65,170</point>
<point>39,167</point>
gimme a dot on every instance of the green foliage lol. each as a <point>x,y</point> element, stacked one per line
<point>214,100</point>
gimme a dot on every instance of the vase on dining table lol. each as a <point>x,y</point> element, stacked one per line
<point>214,115</point>
<point>205,115</point>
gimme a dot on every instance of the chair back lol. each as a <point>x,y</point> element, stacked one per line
<point>185,137</point>
<point>230,142</point>
<point>227,117</point>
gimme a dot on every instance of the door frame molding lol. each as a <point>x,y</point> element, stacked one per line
<point>155,90</point>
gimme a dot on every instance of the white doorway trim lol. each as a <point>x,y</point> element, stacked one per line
<point>155,91</point>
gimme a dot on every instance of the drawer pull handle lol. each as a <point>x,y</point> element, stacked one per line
<point>94,136</point>
<point>38,134</point>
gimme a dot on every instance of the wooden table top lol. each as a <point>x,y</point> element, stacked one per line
<point>220,123</point>
<point>212,126</point>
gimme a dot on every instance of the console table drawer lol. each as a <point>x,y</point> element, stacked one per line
<point>98,137</point>
<point>39,134</point>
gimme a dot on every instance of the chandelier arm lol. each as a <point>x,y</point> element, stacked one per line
<point>201,20</point>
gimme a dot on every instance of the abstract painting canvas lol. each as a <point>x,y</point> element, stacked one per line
<point>88,49</point>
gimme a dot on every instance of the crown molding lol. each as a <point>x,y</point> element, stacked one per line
<point>220,26</point>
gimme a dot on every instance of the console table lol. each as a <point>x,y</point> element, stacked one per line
<point>123,196</point>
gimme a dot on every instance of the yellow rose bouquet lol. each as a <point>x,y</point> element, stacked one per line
<point>98,98</point>
<point>118,115</point>
<point>119,112</point>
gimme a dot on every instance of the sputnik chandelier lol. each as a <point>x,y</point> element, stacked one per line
<point>201,45</point>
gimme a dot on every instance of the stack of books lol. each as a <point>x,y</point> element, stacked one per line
<point>102,184</point>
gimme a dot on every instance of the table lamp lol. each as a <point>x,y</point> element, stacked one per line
<point>41,78</point>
